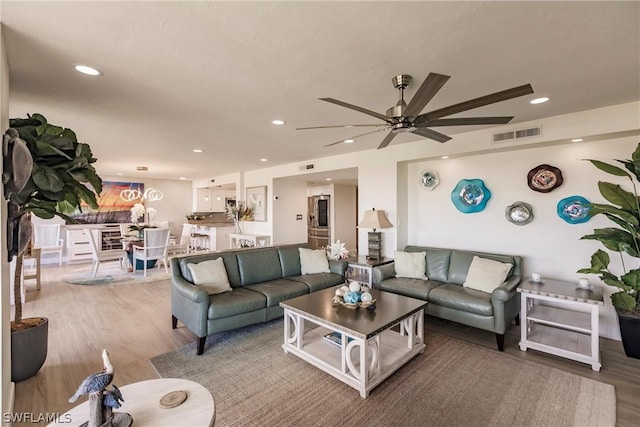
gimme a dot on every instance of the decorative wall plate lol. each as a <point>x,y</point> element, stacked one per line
<point>544,178</point>
<point>574,209</point>
<point>429,179</point>
<point>519,213</point>
<point>470,195</point>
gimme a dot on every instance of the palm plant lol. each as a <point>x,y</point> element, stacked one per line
<point>624,211</point>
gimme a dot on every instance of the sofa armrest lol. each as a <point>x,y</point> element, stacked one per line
<point>189,303</point>
<point>383,272</point>
<point>505,291</point>
<point>338,267</point>
<point>189,291</point>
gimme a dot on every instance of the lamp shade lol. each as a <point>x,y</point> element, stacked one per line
<point>374,219</point>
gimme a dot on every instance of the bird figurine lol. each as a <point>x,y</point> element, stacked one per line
<point>112,398</point>
<point>96,382</point>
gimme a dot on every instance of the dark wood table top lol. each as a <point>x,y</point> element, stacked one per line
<point>363,323</point>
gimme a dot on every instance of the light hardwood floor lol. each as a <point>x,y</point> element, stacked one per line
<point>133,322</point>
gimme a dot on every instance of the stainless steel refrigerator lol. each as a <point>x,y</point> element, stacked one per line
<point>318,231</point>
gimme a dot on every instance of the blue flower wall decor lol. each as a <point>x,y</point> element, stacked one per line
<point>470,195</point>
<point>574,209</point>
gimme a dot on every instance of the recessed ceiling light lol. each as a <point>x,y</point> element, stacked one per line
<point>85,69</point>
<point>577,140</point>
<point>348,141</point>
<point>197,150</point>
<point>327,179</point>
<point>182,178</point>
<point>278,122</point>
<point>142,168</point>
<point>120,173</point>
<point>444,157</point>
<point>264,160</point>
<point>539,100</point>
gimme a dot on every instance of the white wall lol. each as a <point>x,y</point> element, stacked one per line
<point>345,215</point>
<point>5,308</point>
<point>548,245</point>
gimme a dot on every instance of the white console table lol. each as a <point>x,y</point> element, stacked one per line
<point>248,240</point>
<point>567,325</point>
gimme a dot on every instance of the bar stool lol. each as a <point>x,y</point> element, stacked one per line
<point>199,241</point>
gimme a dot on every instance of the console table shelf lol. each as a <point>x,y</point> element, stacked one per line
<point>558,318</point>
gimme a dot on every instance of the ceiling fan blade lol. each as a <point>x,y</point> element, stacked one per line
<point>354,137</point>
<point>431,134</point>
<point>432,84</point>
<point>461,121</point>
<point>341,126</point>
<point>360,109</point>
<point>387,140</point>
<point>479,102</point>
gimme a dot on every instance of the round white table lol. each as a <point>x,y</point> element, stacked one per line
<point>141,401</point>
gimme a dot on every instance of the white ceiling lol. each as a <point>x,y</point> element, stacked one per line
<point>212,75</point>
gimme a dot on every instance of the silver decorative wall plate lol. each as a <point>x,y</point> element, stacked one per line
<point>519,213</point>
<point>429,179</point>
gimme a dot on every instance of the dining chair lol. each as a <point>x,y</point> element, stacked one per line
<point>184,245</point>
<point>46,237</point>
<point>156,242</point>
<point>104,255</point>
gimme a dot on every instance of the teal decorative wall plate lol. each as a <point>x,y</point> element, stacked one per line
<point>470,195</point>
<point>574,209</point>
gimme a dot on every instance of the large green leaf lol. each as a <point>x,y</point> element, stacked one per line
<point>600,260</point>
<point>623,301</point>
<point>632,279</point>
<point>70,135</point>
<point>612,238</point>
<point>59,142</point>
<point>45,149</point>
<point>47,178</point>
<point>628,216</point>
<point>615,194</point>
<point>610,169</point>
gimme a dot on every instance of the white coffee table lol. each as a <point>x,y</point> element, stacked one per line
<point>141,402</point>
<point>370,351</point>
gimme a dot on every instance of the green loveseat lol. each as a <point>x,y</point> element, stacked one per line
<point>260,279</point>
<point>446,270</point>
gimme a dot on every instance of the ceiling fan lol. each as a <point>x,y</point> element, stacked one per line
<point>405,117</point>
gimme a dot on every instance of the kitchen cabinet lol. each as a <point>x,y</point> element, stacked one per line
<point>203,200</point>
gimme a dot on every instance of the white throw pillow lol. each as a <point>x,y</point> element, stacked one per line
<point>411,264</point>
<point>211,275</point>
<point>486,274</point>
<point>313,261</point>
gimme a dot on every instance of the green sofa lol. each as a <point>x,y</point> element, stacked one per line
<point>446,270</point>
<point>260,279</point>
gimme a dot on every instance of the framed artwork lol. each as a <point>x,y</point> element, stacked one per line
<point>257,200</point>
<point>112,207</point>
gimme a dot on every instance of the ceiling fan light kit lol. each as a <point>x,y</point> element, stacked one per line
<point>403,117</point>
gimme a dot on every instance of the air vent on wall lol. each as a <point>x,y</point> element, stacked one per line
<point>517,134</point>
<point>307,167</point>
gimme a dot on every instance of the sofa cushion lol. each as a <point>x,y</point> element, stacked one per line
<point>279,290</point>
<point>313,261</point>
<point>414,288</point>
<point>238,301</point>
<point>412,265</point>
<point>210,275</point>
<point>437,261</point>
<point>461,298</point>
<point>259,265</point>
<point>315,282</point>
<point>461,261</point>
<point>486,274</point>
<point>230,265</point>
<point>289,260</point>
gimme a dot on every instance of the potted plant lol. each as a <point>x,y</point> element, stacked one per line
<point>45,172</point>
<point>624,211</point>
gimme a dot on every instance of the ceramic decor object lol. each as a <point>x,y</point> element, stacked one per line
<point>470,195</point>
<point>429,180</point>
<point>544,178</point>
<point>519,213</point>
<point>574,209</point>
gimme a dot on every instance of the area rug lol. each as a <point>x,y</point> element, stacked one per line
<point>112,275</point>
<point>453,383</point>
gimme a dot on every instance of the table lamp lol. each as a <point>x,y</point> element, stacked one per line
<point>375,219</point>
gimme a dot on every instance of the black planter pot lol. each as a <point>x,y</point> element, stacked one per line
<point>630,332</point>
<point>28,351</point>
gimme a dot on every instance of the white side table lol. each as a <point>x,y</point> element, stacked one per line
<point>568,329</point>
<point>252,240</point>
<point>360,269</point>
<point>141,402</point>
